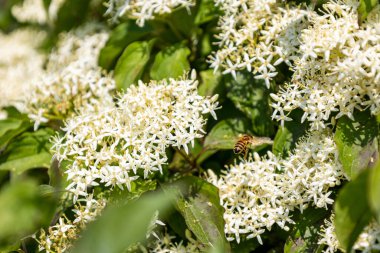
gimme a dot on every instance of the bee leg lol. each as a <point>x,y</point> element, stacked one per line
<point>245,154</point>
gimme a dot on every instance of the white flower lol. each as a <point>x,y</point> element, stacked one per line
<point>256,194</point>
<point>72,79</point>
<point>81,45</point>
<point>337,69</point>
<point>166,244</point>
<point>112,145</point>
<point>61,236</point>
<point>62,93</point>
<point>20,64</point>
<point>33,11</point>
<point>257,35</point>
<point>368,240</point>
<point>143,10</point>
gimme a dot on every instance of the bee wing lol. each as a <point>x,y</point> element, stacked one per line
<point>257,141</point>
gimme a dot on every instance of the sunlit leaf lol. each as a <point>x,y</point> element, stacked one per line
<point>120,37</point>
<point>10,128</point>
<point>198,202</point>
<point>225,134</point>
<point>211,83</point>
<point>374,190</point>
<point>170,62</point>
<point>365,7</point>
<point>352,210</point>
<point>131,64</point>
<point>30,150</point>
<point>357,142</point>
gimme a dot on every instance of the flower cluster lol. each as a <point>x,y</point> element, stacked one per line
<point>338,69</point>
<point>72,79</point>
<point>116,144</point>
<point>257,35</point>
<point>20,63</point>
<point>256,194</point>
<point>82,45</point>
<point>368,241</point>
<point>144,10</point>
<point>33,11</point>
<point>60,237</point>
<point>166,244</point>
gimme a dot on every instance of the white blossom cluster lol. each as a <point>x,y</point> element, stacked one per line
<point>118,144</point>
<point>20,64</point>
<point>339,67</point>
<point>33,11</point>
<point>60,237</point>
<point>368,241</point>
<point>81,45</point>
<point>257,35</point>
<point>72,79</point>
<point>166,244</point>
<point>256,194</point>
<point>143,10</point>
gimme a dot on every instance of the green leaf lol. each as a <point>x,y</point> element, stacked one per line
<point>122,226</point>
<point>177,223</point>
<point>118,196</point>
<point>305,230</point>
<point>287,136</point>
<point>10,128</point>
<point>374,190</point>
<point>131,64</point>
<point>352,210</point>
<point>71,14</point>
<point>30,150</point>
<point>207,11</point>
<point>120,37</point>
<point>211,83</point>
<point>181,23</point>
<point>14,113</point>
<point>357,142</point>
<point>170,62</point>
<point>226,132</point>
<point>9,124</point>
<point>245,246</point>
<point>365,7</point>
<point>24,209</point>
<point>252,98</point>
<point>198,202</point>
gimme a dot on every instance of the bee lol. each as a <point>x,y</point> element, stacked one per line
<point>246,141</point>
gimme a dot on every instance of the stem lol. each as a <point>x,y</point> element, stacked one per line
<point>174,30</point>
<point>193,163</point>
<point>172,27</point>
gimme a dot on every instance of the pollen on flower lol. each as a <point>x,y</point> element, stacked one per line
<point>144,10</point>
<point>116,145</point>
<point>261,192</point>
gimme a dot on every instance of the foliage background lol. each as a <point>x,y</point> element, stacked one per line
<point>32,183</point>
